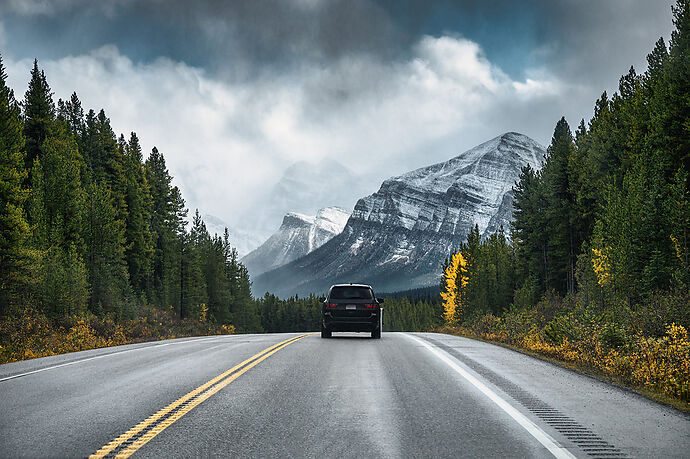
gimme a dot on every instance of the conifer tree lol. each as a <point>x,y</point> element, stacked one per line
<point>192,282</point>
<point>74,114</point>
<point>39,113</point>
<point>470,252</point>
<point>108,164</point>
<point>162,228</point>
<point>139,247</point>
<point>563,239</point>
<point>105,240</point>
<point>63,195</point>
<point>36,208</point>
<point>676,126</point>
<point>529,221</point>
<point>63,284</point>
<point>14,230</point>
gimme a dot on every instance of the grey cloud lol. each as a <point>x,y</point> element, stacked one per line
<point>235,40</point>
<point>594,41</point>
<point>272,82</point>
<point>577,40</point>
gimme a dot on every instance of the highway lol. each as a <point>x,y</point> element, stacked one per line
<point>297,395</point>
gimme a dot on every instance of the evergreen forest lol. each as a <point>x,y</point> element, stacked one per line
<point>94,235</point>
<point>596,271</point>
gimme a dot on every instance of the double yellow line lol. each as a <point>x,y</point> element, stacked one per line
<point>129,442</point>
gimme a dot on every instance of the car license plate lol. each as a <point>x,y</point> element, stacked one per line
<point>351,306</point>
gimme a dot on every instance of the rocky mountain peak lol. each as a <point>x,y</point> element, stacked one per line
<point>298,235</point>
<point>296,220</point>
<point>399,236</point>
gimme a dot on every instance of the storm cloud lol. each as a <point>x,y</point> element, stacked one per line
<point>235,92</point>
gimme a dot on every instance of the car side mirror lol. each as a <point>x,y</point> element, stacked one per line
<point>379,300</point>
<point>322,299</point>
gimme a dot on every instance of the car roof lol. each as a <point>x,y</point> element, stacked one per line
<point>351,285</point>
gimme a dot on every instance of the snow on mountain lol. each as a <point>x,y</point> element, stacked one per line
<point>398,237</point>
<point>297,236</point>
<point>304,188</point>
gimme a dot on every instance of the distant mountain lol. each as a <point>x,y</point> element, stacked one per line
<point>305,188</point>
<point>398,237</point>
<point>297,236</point>
<point>244,241</point>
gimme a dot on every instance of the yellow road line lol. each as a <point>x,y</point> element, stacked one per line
<point>198,395</point>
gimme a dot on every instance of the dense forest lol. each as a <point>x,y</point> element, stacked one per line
<point>95,247</point>
<point>608,215</point>
<point>89,229</point>
<point>599,259</point>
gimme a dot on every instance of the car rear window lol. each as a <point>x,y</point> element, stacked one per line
<point>351,293</point>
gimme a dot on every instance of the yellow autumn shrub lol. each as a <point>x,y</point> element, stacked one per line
<point>32,335</point>
<point>455,280</point>
<point>660,364</point>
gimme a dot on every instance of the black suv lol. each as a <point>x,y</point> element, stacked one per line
<point>351,307</point>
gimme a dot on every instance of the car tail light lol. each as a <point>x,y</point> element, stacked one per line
<point>330,305</point>
<point>369,305</point>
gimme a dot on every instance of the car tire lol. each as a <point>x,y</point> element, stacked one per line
<point>325,333</point>
<point>376,334</point>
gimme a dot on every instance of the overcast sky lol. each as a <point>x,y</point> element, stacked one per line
<point>234,92</point>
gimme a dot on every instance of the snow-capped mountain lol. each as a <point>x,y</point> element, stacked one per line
<point>398,237</point>
<point>297,236</point>
<point>305,188</point>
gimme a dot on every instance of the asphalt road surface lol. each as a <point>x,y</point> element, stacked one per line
<point>290,395</point>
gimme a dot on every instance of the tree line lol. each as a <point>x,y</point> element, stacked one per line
<point>606,220</point>
<point>88,226</point>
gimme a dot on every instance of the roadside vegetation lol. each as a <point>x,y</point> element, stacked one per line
<point>33,334</point>
<point>598,272</point>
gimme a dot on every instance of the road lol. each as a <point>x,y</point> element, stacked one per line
<point>405,395</point>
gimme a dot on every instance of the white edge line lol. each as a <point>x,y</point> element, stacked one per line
<point>7,378</point>
<point>545,439</point>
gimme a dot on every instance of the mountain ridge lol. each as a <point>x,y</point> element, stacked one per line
<point>298,235</point>
<point>399,236</point>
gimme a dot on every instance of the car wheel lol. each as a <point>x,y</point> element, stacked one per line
<point>376,334</point>
<point>325,333</point>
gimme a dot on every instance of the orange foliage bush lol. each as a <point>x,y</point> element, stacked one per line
<point>661,364</point>
<point>33,335</point>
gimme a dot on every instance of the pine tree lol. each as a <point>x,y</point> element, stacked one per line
<point>63,194</point>
<point>162,231</point>
<point>529,221</point>
<point>245,314</point>
<point>108,164</point>
<point>563,242</point>
<point>74,114</point>
<point>105,240</point>
<point>63,284</point>
<point>39,113</point>
<point>678,210</point>
<point>36,208</point>
<point>14,230</point>
<point>470,251</point>
<point>192,283</point>
<point>89,144</point>
<point>139,247</point>
<point>676,125</point>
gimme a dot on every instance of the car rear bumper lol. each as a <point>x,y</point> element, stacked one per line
<point>335,322</point>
